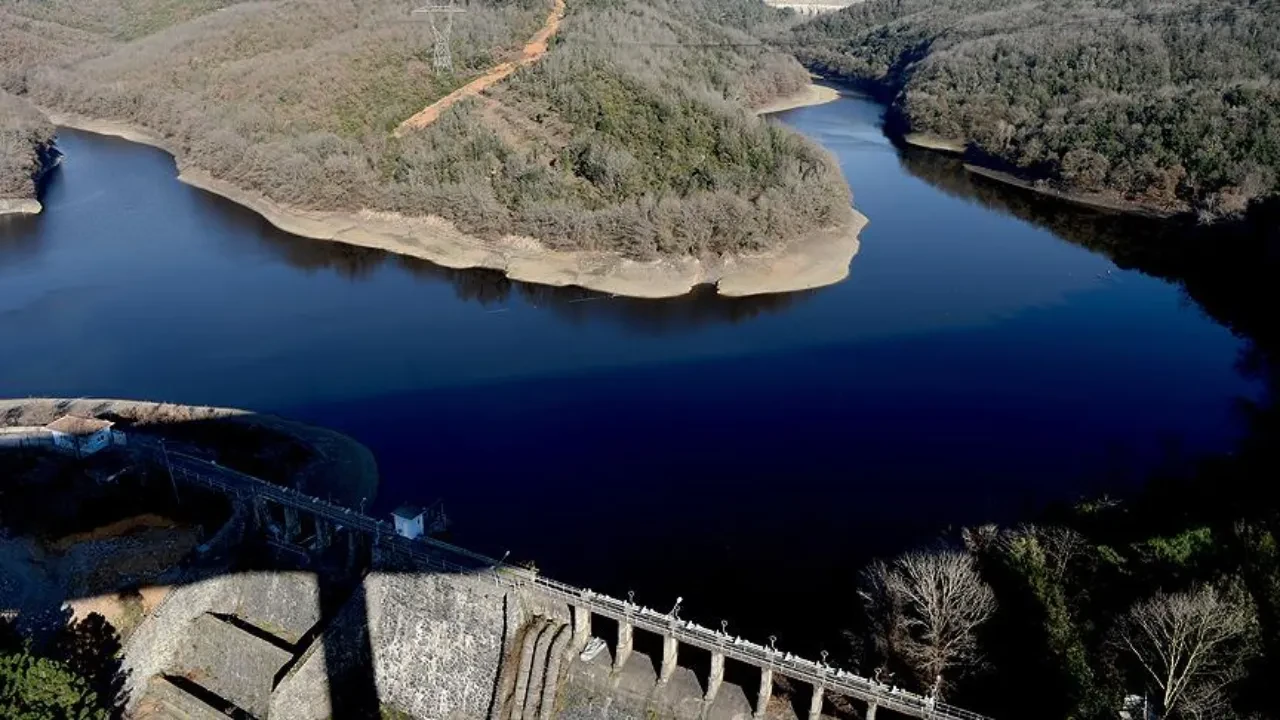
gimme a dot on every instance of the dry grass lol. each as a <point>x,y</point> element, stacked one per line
<point>119,528</point>
<point>629,136</point>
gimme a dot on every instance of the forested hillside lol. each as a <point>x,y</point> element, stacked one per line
<point>25,140</point>
<point>1172,104</point>
<point>620,139</point>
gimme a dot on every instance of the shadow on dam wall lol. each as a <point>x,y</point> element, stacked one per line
<point>292,606</point>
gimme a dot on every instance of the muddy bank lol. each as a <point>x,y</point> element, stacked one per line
<point>335,466</point>
<point>814,260</point>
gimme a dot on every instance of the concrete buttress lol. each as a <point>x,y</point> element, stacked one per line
<point>815,705</point>
<point>624,644</point>
<point>764,694</point>
<point>670,649</point>
<point>715,678</point>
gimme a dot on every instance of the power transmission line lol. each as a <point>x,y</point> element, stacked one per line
<point>440,13</point>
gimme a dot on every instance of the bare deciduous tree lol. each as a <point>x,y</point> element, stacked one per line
<point>1192,645</point>
<point>1062,546</point>
<point>627,137</point>
<point>925,609</point>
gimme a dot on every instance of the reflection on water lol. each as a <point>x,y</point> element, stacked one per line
<point>985,357</point>
<point>19,242</point>
<point>1228,269</point>
<point>492,288</point>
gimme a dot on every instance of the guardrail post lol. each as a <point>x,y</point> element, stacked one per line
<point>670,648</point>
<point>765,693</point>
<point>815,705</point>
<point>871,710</point>
<point>715,678</point>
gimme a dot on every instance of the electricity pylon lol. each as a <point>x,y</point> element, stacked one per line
<point>440,13</point>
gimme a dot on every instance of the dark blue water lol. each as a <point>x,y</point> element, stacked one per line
<point>748,455</point>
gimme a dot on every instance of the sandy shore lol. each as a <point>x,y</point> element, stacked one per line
<point>814,94</point>
<point>817,259</point>
<point>933,142</point>
<point>19,206</point>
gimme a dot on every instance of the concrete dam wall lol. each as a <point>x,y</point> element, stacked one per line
<point>438,646</point>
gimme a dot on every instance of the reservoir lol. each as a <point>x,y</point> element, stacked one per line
<point>985,358</point>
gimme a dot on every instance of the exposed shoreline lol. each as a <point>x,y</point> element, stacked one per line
<point>1099,202</point>
<point>813,94</point>
<point>934,142</point>
<point>819,258</point>
<point>20,206</point>
<point>1096,201</point>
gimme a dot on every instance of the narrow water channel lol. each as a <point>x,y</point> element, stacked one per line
<point>748,455</point>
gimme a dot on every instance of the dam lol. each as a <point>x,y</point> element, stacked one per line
<point>448,632</point>
<point>818,7</point>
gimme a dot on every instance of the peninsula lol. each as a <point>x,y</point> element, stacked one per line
<point>607,145</point>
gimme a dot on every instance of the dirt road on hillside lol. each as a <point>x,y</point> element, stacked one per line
<point>533,51</point>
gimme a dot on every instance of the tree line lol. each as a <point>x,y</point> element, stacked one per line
<point>1077,625</point>
<point>632,135</point>
<point>1171,104</point>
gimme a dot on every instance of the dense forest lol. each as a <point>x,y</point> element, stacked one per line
<point>625,137</point>
<point>26,139</point>
<point>1170,104</point>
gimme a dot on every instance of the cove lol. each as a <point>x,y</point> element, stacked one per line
<point>984,358</point>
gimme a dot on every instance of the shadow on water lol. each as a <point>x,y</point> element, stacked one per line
<point>1228,269</point>
<point>235,540</point>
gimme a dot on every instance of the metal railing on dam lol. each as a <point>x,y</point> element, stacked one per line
<point>436,554</point>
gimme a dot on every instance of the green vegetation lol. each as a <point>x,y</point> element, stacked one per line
<point>26,141</point>
<point>633,134</point>
<point>1184,621</point>
<point>1172,105</point>
<point>33,688</point>
<point>74,676</point>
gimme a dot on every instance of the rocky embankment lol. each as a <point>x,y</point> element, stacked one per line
<point>320,462</point>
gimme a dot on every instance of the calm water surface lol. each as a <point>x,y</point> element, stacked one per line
<point>749,455</point>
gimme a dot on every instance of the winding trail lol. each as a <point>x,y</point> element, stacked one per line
<point>532,52</point>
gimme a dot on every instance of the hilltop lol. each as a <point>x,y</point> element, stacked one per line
<point>1167,106</point>
<point>630,147</point>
